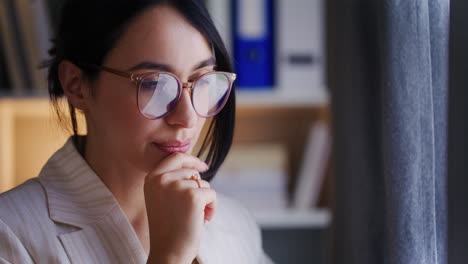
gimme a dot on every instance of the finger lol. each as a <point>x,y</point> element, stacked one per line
<point>209,213</point>
<point>203,184</point>
<point>187,183</point>
<point>208,198</point>
<point>180,174</point>
<point>179,160</point>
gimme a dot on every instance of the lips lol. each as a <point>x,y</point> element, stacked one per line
<point>173,146</point>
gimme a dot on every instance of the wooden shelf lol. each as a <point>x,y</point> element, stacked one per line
<point>29,135</point>
<point>280,98</point>
<point>292,218</point>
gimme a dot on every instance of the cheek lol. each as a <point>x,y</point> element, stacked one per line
<point>117,113</point>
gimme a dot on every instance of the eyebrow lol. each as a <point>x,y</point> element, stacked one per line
<point>148,65</point>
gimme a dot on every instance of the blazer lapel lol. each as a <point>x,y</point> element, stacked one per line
<point>109,240</point>
<point>76,196</point>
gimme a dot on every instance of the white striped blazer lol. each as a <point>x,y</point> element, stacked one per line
<point>67,215</point>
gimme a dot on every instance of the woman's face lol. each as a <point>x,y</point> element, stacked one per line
<point>159,36</point>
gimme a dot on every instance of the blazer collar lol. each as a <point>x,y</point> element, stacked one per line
<point>76,195</point>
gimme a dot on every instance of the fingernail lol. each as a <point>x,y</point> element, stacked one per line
<point>206,166</point>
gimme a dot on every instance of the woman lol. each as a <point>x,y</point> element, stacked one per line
<point>146,74</point>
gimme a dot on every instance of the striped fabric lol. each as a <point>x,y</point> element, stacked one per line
<point>67,215</point>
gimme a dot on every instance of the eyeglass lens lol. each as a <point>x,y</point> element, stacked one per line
<point>159,93</point>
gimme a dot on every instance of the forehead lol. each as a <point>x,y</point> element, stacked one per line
<point>160,34</point>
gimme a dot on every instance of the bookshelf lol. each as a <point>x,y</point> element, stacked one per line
<point>289,235</point>
<point>278,123</point>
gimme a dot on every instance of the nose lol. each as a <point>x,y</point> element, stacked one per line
<point>183,114</point>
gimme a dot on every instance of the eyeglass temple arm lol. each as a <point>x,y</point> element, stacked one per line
<point>131,76</point>
<point>121,73</point>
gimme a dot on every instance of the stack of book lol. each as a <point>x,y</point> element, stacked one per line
<point>25,33</point>
<point>255,175</point>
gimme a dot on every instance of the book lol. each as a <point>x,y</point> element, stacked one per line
<point>300,54</point>
<point>35,30</point>
<point>5,85</point>
<point>313,169</point>
<point>255,175</point>
<point>253,44</point>
<point>220,12</point>
<point>13,48</point>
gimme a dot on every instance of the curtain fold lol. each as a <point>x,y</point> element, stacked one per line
<point>388,81</point>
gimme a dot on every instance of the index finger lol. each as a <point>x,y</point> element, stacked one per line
<point>177,161</point>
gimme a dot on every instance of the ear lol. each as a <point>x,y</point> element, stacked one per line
<point>73,84</point>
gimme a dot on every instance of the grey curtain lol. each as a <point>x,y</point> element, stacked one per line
<point>458,135</point>
<point>388,77</point>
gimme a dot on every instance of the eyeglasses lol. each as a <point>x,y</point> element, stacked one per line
<point>159,92</point>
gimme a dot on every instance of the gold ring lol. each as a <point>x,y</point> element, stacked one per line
<point>196,177</point>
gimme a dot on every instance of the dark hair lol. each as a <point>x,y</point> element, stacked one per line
<point>89,29</point>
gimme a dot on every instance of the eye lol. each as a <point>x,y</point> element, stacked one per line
<point>149,84</point>
<point>203,81</point>
<point>154,84</point>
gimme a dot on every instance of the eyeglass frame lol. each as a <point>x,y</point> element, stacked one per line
<point>137,78</point>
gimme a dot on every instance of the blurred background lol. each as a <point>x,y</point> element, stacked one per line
<point>389,76</point>
<point>279,166</point>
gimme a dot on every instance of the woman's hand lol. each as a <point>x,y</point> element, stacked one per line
<point>177,209</point>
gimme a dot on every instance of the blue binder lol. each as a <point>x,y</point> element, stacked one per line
<point>253,43</point>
